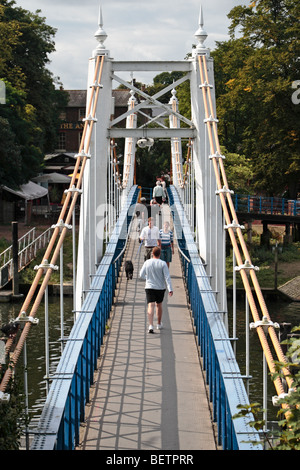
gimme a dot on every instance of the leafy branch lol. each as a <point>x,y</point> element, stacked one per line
<point>288,437</point>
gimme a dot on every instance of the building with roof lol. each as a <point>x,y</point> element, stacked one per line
<point>71,127</point>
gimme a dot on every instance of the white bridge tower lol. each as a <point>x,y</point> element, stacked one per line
<point>98,193</point>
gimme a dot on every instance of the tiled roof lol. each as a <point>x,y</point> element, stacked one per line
<point>121,97</point>
<point>78,98</point>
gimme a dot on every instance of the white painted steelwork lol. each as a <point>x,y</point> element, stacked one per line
<point>196,185</point>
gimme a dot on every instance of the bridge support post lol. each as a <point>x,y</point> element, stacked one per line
<point>129,151</point>
<point>209,216</point>
<point>94,189</point>
<point>15,250</point>
<point>176,149</point>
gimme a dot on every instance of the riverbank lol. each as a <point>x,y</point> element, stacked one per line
<point>289,288</point>
<point>289,291</point>
<point>268,293</point>
<point>6,295</point>
<point>292,289</point>
<point>288,269</point>
<point>6,230</point>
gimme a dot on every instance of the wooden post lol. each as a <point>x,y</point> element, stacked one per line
<point>249,232</point>
<point>15,257</point>
<point>276,267</point>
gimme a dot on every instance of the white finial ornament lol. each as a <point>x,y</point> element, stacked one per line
<point>173,97</point>
<point>100,35</point>
<point>132,97</point>
<point>200,34</point>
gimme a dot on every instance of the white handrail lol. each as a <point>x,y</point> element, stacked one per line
<point>28,247</point>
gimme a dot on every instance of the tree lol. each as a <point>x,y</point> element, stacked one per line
<point>9,36</point>
<point>233,106</point>
<point>238,171</point>
<point>288,437</point>
<point>10,152</point>
<point>33,103</point>
<point>161,81</point>
<point>12,416</point>
<point>153,163</point>
<point>156,162</point>
<point>254,76</point>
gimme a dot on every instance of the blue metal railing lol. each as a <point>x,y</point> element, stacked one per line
<point>147,193</point>
<point>63,412</point>
<point>58,428</point>
<point>226,387</point>
<point>266,205</point>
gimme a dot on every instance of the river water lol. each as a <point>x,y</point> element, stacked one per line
<point>37,390</point>
<point>280,312</point>
<point>37,384</point>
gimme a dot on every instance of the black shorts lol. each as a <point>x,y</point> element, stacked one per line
<point>155,295</point>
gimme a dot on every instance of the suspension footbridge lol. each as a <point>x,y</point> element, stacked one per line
<point>149,391</point>
<point>117,387</point>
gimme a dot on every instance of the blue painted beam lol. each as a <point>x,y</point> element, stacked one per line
<point>58,428</point>
<point>226,386</point>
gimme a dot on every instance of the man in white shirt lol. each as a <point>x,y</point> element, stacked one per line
<point>157,276</point>
<point>158,192</point>
<point>151,236</point>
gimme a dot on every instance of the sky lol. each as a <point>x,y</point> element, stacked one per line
<point>136,30</point>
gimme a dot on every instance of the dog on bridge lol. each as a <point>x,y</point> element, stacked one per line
<point>129,269</point>
<point>11,328</point>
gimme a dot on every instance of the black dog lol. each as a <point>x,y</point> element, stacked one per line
<point>129,269</point>
<point>11,328</point>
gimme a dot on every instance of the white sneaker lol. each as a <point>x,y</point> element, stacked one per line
<point>150,329</point>
<point>159,326</point>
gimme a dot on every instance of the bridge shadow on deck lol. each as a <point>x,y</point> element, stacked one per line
<point>149,391</point>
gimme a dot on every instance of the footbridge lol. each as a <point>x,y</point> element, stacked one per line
<point>116,387</point>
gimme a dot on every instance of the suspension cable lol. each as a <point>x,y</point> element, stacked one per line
<point>47,268</point>
<point>116,170</point>
<point>176,141</point>
<point>128,156</point>
<point>187,163</point>
<point>223,189</point>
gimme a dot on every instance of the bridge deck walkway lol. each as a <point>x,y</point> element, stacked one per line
<point>149,390</point>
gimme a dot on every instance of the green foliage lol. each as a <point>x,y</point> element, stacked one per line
<point>263,257</point>
<point>253,411</point>
<point>288,438</point>
<point>254,74</point>
<point>9,151</point>
<point>3,244</point>
<point>155,163</point>
<point>30,115</point>
<point>12,417</point>
<point>27,275</point>
<point>20,151</point>
<point>238,171</point>
<point>161,81</point>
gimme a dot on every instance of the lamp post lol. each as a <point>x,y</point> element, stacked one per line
<point>276,249</point>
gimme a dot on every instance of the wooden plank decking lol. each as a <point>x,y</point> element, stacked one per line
<point>149,391</point>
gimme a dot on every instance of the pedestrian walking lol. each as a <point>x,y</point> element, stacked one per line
<point>164,186</point>
<point>150,235</point>
<point>155,212</point>
<point>158,192</point>
<point>167,245</point>
<point>157,276</point>
<point>146,209</point>
<point>141,214</point>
